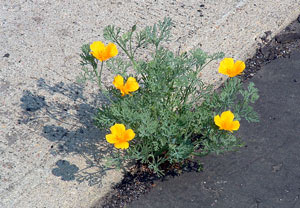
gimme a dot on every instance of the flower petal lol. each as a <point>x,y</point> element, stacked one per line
<point>118,82</point>
<point>122,145</point>
<point>122,91</point>
<point>129,135</point>
<point>111,138</point>
<point>239,67</point>
<point>218,120</point>
<point>102,52</point>
<point>112,50</point>
<point>97,49</point>
<point>225,65</point>
<point>227,116</point>
<point>117,129</point>
<point>131,85</point>
<point>235,125</point>
<point>225,121</point>
<point>97,46</point>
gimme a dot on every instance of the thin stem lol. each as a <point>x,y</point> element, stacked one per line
<point>100,75</point>
<point>189,87</point>
<point>96,74</point>
<point>204,65</point>
<point>125,51</point>
<point>130,45</point>
<point>187,92</point>
<point>130,56</point>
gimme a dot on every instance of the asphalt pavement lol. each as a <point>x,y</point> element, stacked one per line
<point>263,174</point>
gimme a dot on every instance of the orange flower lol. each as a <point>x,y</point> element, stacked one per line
<point>228,67</point>
<point>119,136</point>
<point>226,122</point>
<point>102,52</point>
<point>130,86</point>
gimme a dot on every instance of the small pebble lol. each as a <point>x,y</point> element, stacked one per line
<point>6,55</point>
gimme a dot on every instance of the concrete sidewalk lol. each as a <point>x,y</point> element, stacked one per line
<point>50,151</point>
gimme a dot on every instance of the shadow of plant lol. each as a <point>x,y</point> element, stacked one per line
<point>68,123</point>
<point>65,170</point>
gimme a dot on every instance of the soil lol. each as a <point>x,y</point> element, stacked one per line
<point>139,180</point>
<point>270,49</point>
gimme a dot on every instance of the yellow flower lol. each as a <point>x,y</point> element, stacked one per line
<point>119,136</point>
<point>228,67</point>
<point>102,52</point>
<point>130,86</point>
<point>226,122</point>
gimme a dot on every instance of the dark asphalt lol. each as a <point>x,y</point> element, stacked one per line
<point>265,173</point>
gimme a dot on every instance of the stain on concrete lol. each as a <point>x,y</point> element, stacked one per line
<point>6,55</point>
<point>37,19</point>
<point>11,138</point>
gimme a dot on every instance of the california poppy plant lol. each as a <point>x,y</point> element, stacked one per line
<point>120,136</point>
<point>102,52</point>
<point>131,84</point>
<point>226,122</point>
<point>231,68</point>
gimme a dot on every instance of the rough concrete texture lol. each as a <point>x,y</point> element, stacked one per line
<point>50,152</point>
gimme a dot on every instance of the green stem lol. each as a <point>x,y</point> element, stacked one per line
<point>189,87</point>
<point>187,92</point>
<point>130,46</point>
<point>96,74</point>
<point>170,94</point>
<point>203,66</point>
<point>125,51</point>
<point>100,75</point>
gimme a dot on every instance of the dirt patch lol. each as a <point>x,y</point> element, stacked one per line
<point>270,49</point>
<point>138,181</point>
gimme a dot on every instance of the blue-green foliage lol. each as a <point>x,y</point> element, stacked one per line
<point>173,112</point>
